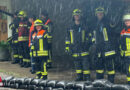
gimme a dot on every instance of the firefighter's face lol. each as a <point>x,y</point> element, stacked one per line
<point>127,23</point>
<point>30,20</point>
<point>38,27</point>
<point>76,17</point>
<point>100,16</point>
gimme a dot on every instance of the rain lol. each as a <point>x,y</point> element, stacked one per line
<point>60,13</point>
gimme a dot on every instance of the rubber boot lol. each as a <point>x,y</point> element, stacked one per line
<point>111,78</point>
<point>38,76</point>
<point>43,77</point>
<point>99,76</point>
<point>86,77</point>
<point>79,77</point>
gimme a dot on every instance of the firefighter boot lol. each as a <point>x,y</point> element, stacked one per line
<point>99,76</point>
<point>86,77</point>
<point>38,75</point>
<point>43,77</point>
<point>111,78</point>
<point>79,77</point>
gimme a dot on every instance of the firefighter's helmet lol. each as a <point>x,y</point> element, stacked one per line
<point>126,17</point>
<point>22,14</point>
<point>99,10</point>
<point>38,22</point>
<point>76,12</point>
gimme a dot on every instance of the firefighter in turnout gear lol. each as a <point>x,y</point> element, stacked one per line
<point>125,44</point>
<point>48,24</point>
<point>23,36</point>
<point>105,51</point>
<point>40,49</point>
<point>31,20</point>
<point>14,27</point>
<point>77,44</point>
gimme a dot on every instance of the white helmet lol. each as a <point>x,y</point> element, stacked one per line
<point>126,17</point>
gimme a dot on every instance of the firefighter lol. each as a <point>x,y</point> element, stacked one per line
<point>23,37</point>
<point>77,44</point>
<point>31,20</point>
<point>124,41</point>
<point>40,49</point>
<point>14,27</point>
<point>48,23</point>
<point>104,49</point>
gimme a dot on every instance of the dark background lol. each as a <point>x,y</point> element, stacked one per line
<point>60,12</point>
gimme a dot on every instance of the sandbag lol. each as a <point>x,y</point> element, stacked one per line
<point>61,84</point>
<point>102,83</point>
<point>70,85</point>
<point>120,87</point>
<point>80,85</point>
<point>43,83</point>
<point>6,81</point>
<point>52,83</point>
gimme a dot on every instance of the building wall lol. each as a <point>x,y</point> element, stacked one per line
<point>7,3</point>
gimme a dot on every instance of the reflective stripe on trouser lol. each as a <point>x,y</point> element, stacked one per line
<point>40,65</point>
<point>101,63</point>
<point>49,57</point>
<point>127,64</point>
<point>82,65</point>
<point>15,51</point>
<point>24,50</point>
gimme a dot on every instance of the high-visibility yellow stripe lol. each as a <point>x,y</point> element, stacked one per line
<point>15,41</point>
<point>49,36</point>
<point>86,72</point>
<point>127,53</point>
<point>128,43</point>
<point>38,73</point>
<point>75,55</point>
<point>84,54</point>
<point>128,78</point>
<point>20,56</point>
<point>42,52</point>
<point>78,71</point>
<point>23,38</point>
<point>49,60</point>
<point>67,42</point>
<point>110,53</point>
<point>111,72</point>
<point>105,34</point>
<point>67,48</point>
<point>40,44</point>
<point>32,47</point>
<point>45,71</point>
<point>15,56</point>
<point>129,68</point>
<point>83,35</point>
<point>100,71</point>
<point>46,35</point>
<point>71,36</point>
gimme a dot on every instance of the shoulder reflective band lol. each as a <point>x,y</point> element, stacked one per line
<point>78,71</point>
<point>111,72</point>
<point>83,35</point>
<point>100,71</point>
<point>86,72</point>
<point>128,78</point>
<point>41,44</point>
<point>67,42</point>
<point>105,34</point>
<point>84,54</point>
<point>110,53</point>
<point>128,43</point>
<point>71,36</point>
